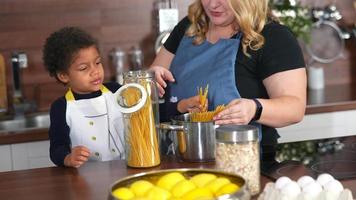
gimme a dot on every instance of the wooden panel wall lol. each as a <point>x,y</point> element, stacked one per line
<point>24,25</point>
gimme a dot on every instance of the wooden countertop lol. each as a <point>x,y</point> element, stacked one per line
<point>12,137</point>
<point>93,180</point>
<point>331,99</point>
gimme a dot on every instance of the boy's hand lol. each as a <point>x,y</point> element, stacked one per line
<point>77,157</point>
<point>191,104</point>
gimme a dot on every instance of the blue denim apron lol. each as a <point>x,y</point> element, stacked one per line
<point>196,66</point>
<point>210,64</point>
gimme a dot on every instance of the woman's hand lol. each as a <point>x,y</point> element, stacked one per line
<point>162,75</point>
<point>77,157</point>
<point>191,104</point>
<point>238,111</point>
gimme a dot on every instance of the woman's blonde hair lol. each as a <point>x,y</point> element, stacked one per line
<point>251,16</point>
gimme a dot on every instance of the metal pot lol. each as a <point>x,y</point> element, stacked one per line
<point>193,141</point>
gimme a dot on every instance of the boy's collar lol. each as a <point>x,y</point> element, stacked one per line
<point>71,95</point>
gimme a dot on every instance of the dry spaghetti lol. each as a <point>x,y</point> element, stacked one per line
<point>141,138</point>
<point>205,115</point>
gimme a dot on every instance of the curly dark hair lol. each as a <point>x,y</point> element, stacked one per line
<point>61,47</point>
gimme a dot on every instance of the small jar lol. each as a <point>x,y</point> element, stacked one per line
<point>138,101</point>
<point>237,151</point>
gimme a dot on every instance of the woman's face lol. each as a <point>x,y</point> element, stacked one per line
<point>219,12</point>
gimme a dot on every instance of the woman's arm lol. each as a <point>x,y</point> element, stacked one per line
<point>287,92</point>
<point>160,67</point>
<point>163,58</point>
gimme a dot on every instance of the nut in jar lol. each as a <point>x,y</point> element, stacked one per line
<point>237,151</point>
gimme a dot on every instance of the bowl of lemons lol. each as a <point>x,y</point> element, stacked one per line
<point>180,184</point>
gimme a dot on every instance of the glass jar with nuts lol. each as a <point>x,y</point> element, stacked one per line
<point>237,151</point>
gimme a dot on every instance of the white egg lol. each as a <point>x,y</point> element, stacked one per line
<point>281,182</point>
<point>334,186</point>
<point>304,180</point>
<point>291,189</point>
<point>329,195</point>
<point>346,194</point>
<point>324,178</point>
<point>312,189</point>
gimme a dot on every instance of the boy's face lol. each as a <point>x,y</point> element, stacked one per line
<point>86,73</point>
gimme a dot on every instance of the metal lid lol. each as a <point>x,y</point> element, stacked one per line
<point>139,74</point>
<point>236,133</point>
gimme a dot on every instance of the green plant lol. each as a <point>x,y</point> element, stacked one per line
<point>296,17</point>
<point>304,152</point>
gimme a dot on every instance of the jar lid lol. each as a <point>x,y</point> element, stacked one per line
<point>139,74</point>
<point>236,133</point>
<point>137,97</point>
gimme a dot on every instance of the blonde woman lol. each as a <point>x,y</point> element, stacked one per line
<point>252,64</point>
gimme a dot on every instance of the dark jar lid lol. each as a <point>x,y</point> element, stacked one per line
<point>236,133</point>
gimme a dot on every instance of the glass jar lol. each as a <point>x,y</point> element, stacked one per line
<point>138,101</point>
<point>237,151</point>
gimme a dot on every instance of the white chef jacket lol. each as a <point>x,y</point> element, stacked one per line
<point>97,124</point>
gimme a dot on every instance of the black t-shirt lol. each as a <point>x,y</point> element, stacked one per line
<point>280,52</point>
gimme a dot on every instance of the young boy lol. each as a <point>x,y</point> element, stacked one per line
<point>85,123</point>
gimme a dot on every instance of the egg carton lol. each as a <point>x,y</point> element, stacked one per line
<point>325,187</point>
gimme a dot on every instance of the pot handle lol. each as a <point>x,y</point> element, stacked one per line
<point>168,126</point>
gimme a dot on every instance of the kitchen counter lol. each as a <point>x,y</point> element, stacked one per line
<point>93,180</point>
<point>23,136</point>
<point>331,99</point>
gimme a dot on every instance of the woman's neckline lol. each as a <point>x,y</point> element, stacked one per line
<point>213,39</point>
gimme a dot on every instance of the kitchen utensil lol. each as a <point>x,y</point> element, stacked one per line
<point>193,141</point>
<point>153,176</point>
<point>3,88</point>
<point>118,59</point>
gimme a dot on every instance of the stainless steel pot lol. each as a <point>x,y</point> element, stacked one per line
<point>193,141</point>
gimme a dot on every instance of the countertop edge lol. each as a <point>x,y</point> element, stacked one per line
<point>330,107</point>
<point>23,136</point>
<point>42,134</point>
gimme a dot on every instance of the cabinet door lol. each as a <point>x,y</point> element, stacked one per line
<point>31,155</point>
<point>5,158</point>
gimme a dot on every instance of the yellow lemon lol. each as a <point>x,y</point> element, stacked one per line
<point>123,193</point>
<point>198,193</point>
<point>157,193</point>
<point>227,189</point>
<point>140,187</point>
<point>216,184</point>
<point>182,187</point>
<point>202,179</point>
<point>139,198</point>
<point>169,180</point>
